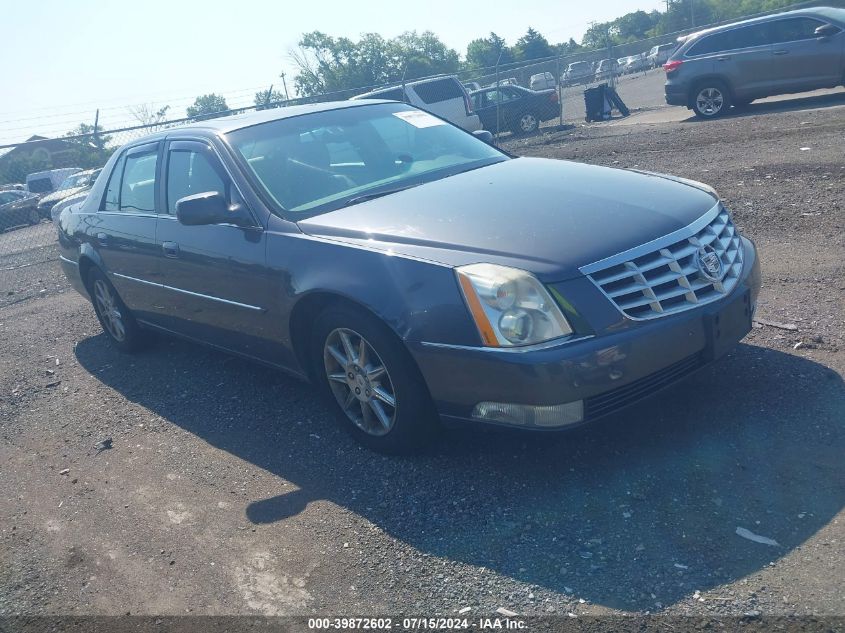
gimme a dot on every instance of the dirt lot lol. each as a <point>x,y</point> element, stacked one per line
<point>227,489</point>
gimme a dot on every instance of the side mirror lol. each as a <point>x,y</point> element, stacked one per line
<point>483,135</point>
<point>826,30</point>
<point>208,208</point>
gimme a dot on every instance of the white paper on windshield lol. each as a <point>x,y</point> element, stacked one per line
<point>418,118</point>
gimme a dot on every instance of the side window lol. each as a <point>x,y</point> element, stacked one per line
<point>111,201</point>
<point>794,29</point>
<point>745,37</point>
<point>190,172</point>
<point>137,188</point>
<point>439,90</point>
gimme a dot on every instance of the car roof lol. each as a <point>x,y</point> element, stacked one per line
<point>827,12</point>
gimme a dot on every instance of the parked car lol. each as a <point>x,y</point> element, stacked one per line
<point>19,186</point>
<point>73,184</point>
<point>776,54</point>
<point>542,81</point>
<point>44,182</point>
<point>578,73</point>
<point>606,69</point>
<point>520,110</point>
<point>18,207</point>
<point>444,96</point>
<point>659,55</point>
<point>412,271</point>
<point>633,64</point>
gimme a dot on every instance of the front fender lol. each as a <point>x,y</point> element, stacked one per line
<point>419,300</point>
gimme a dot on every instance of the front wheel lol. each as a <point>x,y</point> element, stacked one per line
<point>711,99</point>
<point>377,391</point>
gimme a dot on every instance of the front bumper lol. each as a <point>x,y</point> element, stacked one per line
<point>622,364</point>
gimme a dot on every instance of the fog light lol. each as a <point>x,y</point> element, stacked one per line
<point>530,416</point>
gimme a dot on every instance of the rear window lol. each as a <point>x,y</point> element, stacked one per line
<point>394,94</point>
<point>439,90</point>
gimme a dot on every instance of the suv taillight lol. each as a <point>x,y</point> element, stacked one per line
<point>672,66</point>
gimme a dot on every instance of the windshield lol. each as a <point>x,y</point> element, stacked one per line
<point>77,180</point>
<point>320,162</point>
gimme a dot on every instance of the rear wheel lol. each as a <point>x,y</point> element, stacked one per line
<point>527,123</point>
<point>711,99</point>
<point>117,321</point>
<point>378,393</point>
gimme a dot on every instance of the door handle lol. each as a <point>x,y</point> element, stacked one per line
<point>102,238</point>
<point>781,52</point>
<point>171,249</point>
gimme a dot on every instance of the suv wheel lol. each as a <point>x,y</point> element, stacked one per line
<point>117,321</point>
<point>378,393</point>
<point>711,99</point>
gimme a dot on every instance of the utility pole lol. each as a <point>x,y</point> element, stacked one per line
<point>284,83</point>
<point>96,121</point>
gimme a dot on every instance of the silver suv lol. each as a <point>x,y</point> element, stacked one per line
<point>734,64</point>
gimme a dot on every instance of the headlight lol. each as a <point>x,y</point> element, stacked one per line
<point>509,306</point>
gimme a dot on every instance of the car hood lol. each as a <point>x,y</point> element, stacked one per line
<point>61,194</point>
<point>549,217</point>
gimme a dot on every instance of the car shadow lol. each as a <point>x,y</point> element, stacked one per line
<point>807,102</point>
<point>640,508</point>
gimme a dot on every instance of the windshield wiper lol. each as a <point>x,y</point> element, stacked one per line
<point>376,194</point>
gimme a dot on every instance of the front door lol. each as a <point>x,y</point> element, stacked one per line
<point>214,275</point>
<point>801,60</point>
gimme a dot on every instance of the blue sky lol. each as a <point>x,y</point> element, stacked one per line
<point>63,60</point>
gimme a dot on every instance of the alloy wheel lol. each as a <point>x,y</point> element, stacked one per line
<point>528,123</point>
<point>360,381</point>
<point>710,101</point>
<point>109,311</point>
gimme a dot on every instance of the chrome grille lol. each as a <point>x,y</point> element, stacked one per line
<point>664,278</point>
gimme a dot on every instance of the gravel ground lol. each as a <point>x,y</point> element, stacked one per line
<point>227,490</point>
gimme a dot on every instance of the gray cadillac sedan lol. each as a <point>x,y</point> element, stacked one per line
<point>412,271</point>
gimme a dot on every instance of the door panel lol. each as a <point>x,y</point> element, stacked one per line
<point>214,276</point>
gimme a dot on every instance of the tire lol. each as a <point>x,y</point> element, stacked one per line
<point>388,374</point>
<point>710,99</point>
<point>117,321</point>
<point>526,123</point>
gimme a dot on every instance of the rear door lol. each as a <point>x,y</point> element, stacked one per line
<point>803,61</point>
<point>214,275</point>
<point>122,230</point>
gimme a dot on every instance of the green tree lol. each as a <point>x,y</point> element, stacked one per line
<point>265,99</point>
<point>207,107</point>
<point>532,45</point>
<point>328,64</point>
<point>485,52</point>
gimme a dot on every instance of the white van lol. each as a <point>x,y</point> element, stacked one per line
<point>542,81</point>
<point>444,96</point>
<point>43,182</point>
